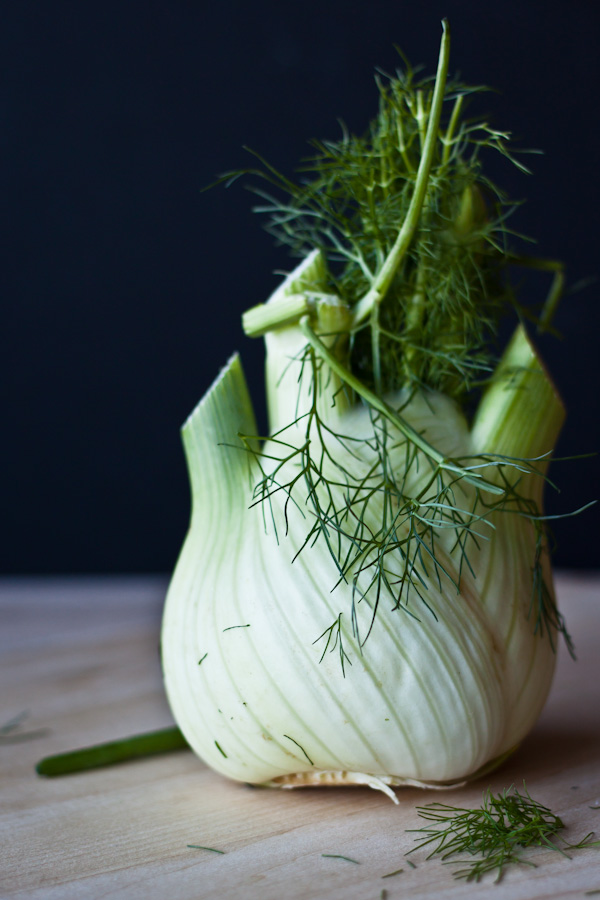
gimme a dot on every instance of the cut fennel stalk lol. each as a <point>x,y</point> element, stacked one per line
<point>365,596</point>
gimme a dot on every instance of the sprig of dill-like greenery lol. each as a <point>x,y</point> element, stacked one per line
<point>442,308</point>
<point>497,833</point>
<point>336,502</point>
<point>430,324</point>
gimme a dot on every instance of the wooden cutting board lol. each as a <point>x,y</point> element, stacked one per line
<point>79,657</point>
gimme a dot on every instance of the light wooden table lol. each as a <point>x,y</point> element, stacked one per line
<point>81,657</point>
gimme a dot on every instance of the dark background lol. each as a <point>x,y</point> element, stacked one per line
<point>123,284</point>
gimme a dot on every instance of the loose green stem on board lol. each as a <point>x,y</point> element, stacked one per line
<point>339,856</point>
<point>210,849</point>
<point>155,742</point>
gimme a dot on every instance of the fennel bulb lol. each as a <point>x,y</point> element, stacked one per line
<point>365,597</point>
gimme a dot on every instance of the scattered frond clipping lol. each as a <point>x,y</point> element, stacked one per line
<point>496,834</point>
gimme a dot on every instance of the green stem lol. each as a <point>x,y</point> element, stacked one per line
<point>402,147</point>
<point>448,138</point>
<point>165,741</point>
<point>386,274</point>
<point>375,349</point>
<point>264,317</point>
<point>420,116</point>
<point>556,288</point>
<point>552,300</point>
<point>414,316</point>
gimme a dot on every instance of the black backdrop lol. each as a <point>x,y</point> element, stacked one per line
<point>123,284</point>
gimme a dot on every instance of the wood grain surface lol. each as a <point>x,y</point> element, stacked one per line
<point>80,658</point>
